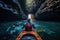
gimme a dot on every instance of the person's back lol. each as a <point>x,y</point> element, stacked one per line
<point>28,26</point>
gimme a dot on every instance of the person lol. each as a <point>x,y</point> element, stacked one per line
<point>28,26</point>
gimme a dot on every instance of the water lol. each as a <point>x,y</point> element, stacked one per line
<point>14,28</point>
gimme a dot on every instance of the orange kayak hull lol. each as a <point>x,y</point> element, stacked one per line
<point>28,32</point>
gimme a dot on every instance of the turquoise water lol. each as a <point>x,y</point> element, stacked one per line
<point>45,26</point>
<point>14,28</point>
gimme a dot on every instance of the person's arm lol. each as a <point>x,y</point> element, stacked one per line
<point>33,26</point>
<point>23,26</point>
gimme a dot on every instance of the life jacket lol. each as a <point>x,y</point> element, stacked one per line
<point>28,27</point>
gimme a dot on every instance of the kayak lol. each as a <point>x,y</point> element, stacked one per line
<point>28,35</point>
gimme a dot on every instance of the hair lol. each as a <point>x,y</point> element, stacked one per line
<point>28,20</point>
